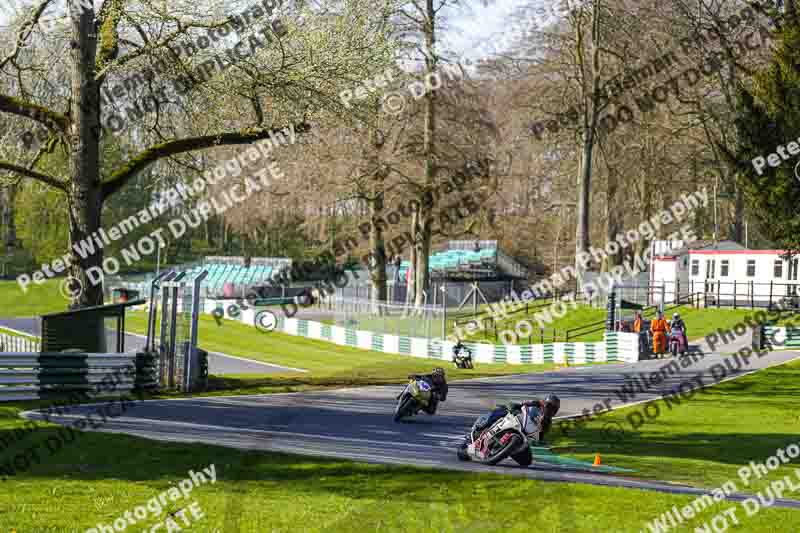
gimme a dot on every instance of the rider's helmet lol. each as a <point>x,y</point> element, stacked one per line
<point>438,375</point>
<point>551,405</point>
<point>676,316</point>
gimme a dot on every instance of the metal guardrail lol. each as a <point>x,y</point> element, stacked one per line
<point>34,376</point>
<point>12,343</point>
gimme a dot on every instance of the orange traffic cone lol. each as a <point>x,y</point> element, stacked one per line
<point>596,460</point>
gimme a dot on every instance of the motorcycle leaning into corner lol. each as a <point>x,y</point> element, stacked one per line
<point>509,432</point>
<point>462,356</point>
<point>423,392</point>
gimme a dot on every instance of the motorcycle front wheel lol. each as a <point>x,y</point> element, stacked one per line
<point>405,407</point>
<point>523,458</point>
<point>462,451</point>
<point>504,451</point>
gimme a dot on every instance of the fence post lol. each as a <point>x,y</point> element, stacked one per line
<point>734,294</point>
<point>541,335</point>
<point>770,294</point>
<point>752,306</point>
<point>718,288</point>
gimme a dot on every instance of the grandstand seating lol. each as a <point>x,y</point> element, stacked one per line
<point>484,262</point>
<point>219,274</point>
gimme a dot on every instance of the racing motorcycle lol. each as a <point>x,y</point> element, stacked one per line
<point>414,398</point>
<point>463,358</point>
<point>676,342</point>
<point>502,434</point>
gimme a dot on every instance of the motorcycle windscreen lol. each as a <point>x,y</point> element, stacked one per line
<point>421,391</point>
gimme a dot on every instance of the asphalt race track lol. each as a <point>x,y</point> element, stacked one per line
<point>357,423</point>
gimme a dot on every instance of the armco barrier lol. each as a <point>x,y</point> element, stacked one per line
<point>35,376</point>
<point>12,343</point>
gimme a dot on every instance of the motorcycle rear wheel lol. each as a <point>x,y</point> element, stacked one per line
<point>505,451</point>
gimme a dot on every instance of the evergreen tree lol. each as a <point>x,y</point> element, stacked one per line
<point>768,116</point>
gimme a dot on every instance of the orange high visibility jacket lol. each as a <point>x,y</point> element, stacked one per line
<point>637,325</point>
<point>659,325</point>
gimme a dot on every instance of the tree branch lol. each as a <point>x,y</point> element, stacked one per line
<point>179,146</point>
<point>29,173</point>
<point>51,119</point>
<point>25,31</point>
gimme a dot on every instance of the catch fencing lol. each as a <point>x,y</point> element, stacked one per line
<point>388,318</point>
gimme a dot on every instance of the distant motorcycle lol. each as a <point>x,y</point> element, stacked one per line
<point>415,397</point>
<point>463,358</point>
<point>677,342</point>
<point>500,435</point>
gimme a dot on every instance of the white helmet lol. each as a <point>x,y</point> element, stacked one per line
<point>676,315</point>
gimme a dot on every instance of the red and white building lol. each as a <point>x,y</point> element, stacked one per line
<point>724,272</point>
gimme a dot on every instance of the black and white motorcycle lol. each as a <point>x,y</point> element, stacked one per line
<point>462,357</point>
<point>503,433</point>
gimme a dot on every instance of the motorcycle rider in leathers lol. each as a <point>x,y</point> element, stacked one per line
<point>542,415</point>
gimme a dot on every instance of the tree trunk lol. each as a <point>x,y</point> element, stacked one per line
<point>421,220</point>
<point>85,197</point>
<point>738,216</point>
<point>613,222</point>
<point>421,227</point>
<point>8,200</point>
<point>582,237</point>
<point>377,266</point>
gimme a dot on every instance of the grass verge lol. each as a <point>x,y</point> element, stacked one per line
<point>98,477</point>
<point>329,365</point>
<point>37,300</point>
<point>705,438</point>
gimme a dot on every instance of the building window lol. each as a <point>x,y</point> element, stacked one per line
<point>777,272</point>
<point>723,268</point>
<point>793,270</point>
<point>710,268</point>
<point>751,268</point>
<point>695,267</point>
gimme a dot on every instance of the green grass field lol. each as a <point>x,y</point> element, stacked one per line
<point>100,476</point>
<point>38,300</point>
<point>699,321</point>
<point>329,365</point>
<point>706,438</point>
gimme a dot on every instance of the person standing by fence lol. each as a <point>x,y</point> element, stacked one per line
<point>659,327</point>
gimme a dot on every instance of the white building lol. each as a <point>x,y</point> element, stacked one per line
<point>725,272</point>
